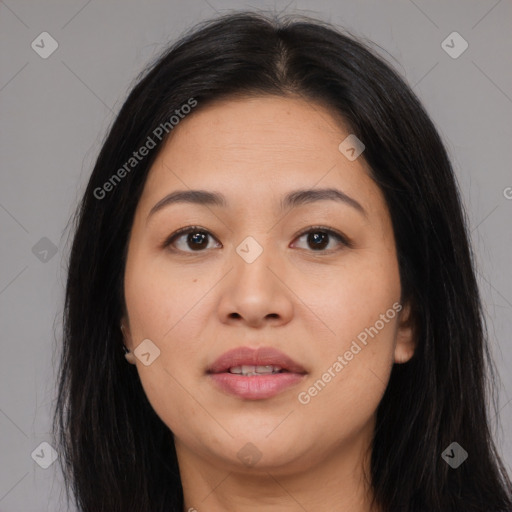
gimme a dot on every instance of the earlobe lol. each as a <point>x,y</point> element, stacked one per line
<point>130,357</point>
<point>405,336</point>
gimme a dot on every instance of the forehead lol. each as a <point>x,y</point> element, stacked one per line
<point>258,145</point>
<point>267,124</point>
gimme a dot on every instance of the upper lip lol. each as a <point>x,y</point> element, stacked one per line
<point>262,356</point>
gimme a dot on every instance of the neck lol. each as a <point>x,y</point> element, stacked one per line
<point>323,483</point>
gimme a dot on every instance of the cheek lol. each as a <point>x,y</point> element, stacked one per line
<point>351,376</point>
<point>359,304</point>
<point>168,304</point>
<point>160,307</point>
<point>160,297</point>
<point>348,298</point>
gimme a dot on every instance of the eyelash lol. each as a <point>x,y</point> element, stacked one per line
<point>313,229</point>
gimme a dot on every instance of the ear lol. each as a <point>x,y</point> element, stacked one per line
<point>405,336</point>
<point>127,340</point>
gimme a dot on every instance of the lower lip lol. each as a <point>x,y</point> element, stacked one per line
<point>255,387</point>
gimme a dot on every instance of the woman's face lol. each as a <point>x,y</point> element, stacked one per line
<point>249,275</point>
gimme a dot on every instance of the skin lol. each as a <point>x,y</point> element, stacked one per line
<point>196,303</point>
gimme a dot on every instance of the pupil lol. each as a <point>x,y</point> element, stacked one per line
<point>197,238</point>
<point>318,239</point>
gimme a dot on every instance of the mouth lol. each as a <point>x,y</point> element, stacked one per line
<point>254,374</point>
<point>247,370</point>
<point>260,361</point>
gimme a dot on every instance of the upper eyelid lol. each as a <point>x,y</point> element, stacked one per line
<point>187,230</point>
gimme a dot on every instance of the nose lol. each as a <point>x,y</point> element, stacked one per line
<point>256,293</point>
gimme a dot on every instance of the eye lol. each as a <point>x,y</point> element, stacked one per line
<point>318,237</point>
<point>193,237</point>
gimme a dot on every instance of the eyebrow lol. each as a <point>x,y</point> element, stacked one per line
<point>291,200</point>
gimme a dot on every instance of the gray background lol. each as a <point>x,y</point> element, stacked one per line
<point>54,115</point>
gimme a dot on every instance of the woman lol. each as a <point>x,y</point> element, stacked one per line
<point>273,233</point>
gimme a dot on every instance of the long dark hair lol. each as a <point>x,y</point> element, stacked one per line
<point>117,455</point>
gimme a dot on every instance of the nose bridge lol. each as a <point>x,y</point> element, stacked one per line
<point>253,259</point>
<point>254,293</point>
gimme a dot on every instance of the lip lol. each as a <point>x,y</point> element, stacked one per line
<point>261,356</point>
<point>255,387</point>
